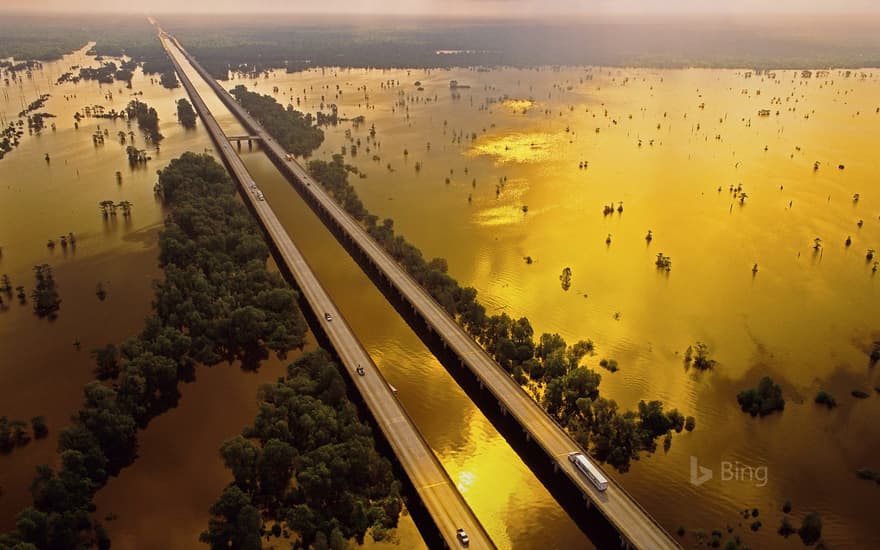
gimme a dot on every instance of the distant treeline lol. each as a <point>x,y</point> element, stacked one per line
<point>257,44</point>
<point>218,302</point>
<point>40,38</point>
<point>49,38</point>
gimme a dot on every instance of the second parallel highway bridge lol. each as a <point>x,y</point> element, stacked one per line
<point>437,492</point>
<point>636,527</point>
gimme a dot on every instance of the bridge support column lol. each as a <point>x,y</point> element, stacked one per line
<point>238,144</point>
<point>250,145</point>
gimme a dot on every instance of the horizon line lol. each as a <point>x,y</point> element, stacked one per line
<point>451,15</point>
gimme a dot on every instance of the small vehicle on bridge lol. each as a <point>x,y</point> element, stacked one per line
<point>360,370</point>
<point>328,317</point>
<point>589,470</point>
<point>462,537</point>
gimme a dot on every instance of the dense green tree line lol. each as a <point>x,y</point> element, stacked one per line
<point>292,129</point>
<point>217,302</point>
<point>308,465</point>
<point>570,391</point>
<point>147,119</point>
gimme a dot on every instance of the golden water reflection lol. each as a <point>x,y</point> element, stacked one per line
<point>518,105</point>
<point>610,154</point>
<point>518,147</point>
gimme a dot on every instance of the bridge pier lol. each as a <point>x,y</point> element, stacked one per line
<point>587,500</point>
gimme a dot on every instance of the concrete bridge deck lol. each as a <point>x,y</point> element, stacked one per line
<point>637,528</point>
<point>436,490</point>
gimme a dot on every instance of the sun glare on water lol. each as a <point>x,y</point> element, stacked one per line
<point>519,147</point>
<point>519,105</point>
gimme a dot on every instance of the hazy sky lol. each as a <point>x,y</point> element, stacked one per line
<point>453,7</point>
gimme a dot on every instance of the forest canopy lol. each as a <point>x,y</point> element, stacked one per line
<point>307,465</point>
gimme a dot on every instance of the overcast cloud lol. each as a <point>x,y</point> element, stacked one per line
<point>451,7</point>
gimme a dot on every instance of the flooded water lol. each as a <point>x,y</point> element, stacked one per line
<point>804,318</point>
<point>179,473</point>
<point>41,371</point>
<point>668,145</point>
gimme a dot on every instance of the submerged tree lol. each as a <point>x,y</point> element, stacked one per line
<point>45,295</point>
<point>697,356</point>
<point>169,79</point>
<point>125,206</point>
<point>663,262</point>
<point>108,208</point>
<point>185,113</point>
<point>565,278</point>
<point>811,529</point>
<point>147,119</point>
<point>763,400</point>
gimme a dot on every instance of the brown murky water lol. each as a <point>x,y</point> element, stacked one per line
<point>803,318</point>
<point>41,372</point>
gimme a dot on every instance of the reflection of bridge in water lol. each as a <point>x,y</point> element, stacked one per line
<point>537,433</point>
<point>438,493</point>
